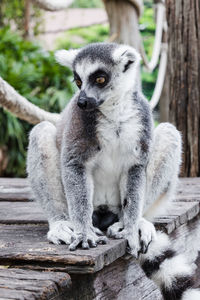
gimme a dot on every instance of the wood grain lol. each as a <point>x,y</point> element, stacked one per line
<point>122,280</point>
<point>27,245</point>
<point>184,78</point>
<point>15,189</point>
<point>179,213</point>
<point>23,284</point>
<point>21,213</point>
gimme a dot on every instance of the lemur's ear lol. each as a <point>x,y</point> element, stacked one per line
<point>127,56</point>
<point>66,57</point>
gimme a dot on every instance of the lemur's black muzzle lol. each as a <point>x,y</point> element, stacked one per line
<point>86,103</point>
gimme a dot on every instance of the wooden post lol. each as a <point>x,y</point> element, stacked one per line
<point>184,78</point>
<point>123,19</point>
<point>27,19</point>
<point>123,16</point>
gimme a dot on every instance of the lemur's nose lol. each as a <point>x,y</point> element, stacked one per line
<point>87,103</point>
<point>82,100</point>
<point>82,103</point>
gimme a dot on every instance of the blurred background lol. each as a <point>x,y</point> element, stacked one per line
<point>30,32</point>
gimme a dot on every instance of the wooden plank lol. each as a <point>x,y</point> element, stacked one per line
<point>13,182</point>
<point>23,194</point>
<point>15,189</point>
<point>23,284</point>
<point>187,198</point>
<point>122,280</point>
<point>30,212</point>
<point>179,213</point>
<point>26,245</point>
<point>189,180</point>
<point>21,212</point>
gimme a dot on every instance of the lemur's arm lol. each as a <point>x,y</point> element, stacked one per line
<point>78,148</point>
<point>135,188</point>
<point>133,206</point>
<point>134,201</point>
<point>78,187</point>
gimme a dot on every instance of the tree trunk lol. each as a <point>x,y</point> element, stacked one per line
<point>123,20</point>
<point>164,98</point>
<point>27,19</point>
<point>184,78</point>
<point>164,101</point>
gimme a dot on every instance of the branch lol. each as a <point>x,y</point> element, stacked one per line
<point>138,5</point>
<point>160,21</point>
<point>21,107</point>
<point>160,77</point>
<point>53,5</point>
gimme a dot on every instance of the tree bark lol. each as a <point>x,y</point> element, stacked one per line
<point>184,78</point>
<point>21,107</point>
<point>27,19</point>
<point>123,16</point>
<point>123,19</point>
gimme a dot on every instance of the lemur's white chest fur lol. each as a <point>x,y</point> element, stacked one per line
<point>118,132</point>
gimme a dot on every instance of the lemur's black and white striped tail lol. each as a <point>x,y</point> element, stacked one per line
<point>171,271</point>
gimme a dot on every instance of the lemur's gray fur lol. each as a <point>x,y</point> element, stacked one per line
<point>104,164</point>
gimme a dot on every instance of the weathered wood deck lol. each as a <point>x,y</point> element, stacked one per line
<point>32,268</point>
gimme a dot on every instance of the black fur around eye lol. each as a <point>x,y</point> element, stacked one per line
<point>99,78</point>
<point>78,83</point>
<point>78,80</point>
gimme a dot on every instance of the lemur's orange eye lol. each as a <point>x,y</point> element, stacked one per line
<point>78,83</point>
<point>100,80</point>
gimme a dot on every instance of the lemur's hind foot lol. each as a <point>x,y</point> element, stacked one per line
<point>169,270</point>
<point>147,234</point>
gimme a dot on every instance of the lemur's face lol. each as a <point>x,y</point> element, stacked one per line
<point>103,72</point>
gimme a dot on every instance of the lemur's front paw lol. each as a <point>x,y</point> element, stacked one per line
<point>147,234</point>
<point>118,231</point>
<point>60,231</point>
<point>114,230</point>
<point>132,237</point>
<point>88,239</point>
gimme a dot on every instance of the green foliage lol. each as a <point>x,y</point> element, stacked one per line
<point>147,26</point>
<point>13,12</point>
<point>79,37</point>
<point>34,74</point>
<point>87,4</point>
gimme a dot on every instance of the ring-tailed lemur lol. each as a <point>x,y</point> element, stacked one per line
<point>104,166</point>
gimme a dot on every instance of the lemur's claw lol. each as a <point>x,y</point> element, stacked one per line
<point>102,240</point>
<point>98,231</point>
<point>89,240</point>
<point>147,234</point>
<point>75,241</point>
<point>144,247</point>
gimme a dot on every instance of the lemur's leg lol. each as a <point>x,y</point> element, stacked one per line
<point>162,170</point>
<point>132,192</point>
<point>43,167</point>
<point>161,177</point>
